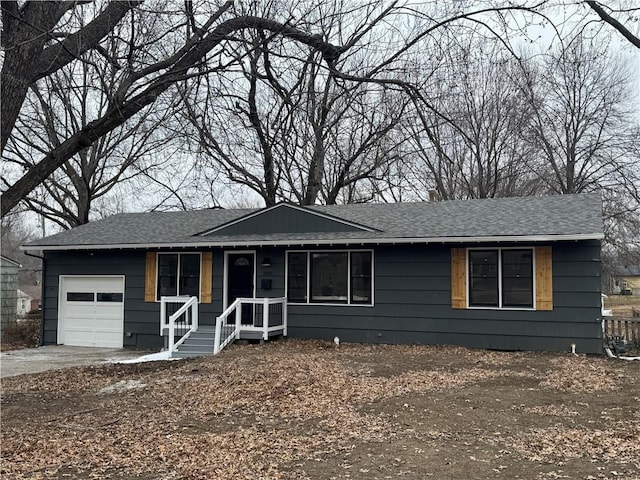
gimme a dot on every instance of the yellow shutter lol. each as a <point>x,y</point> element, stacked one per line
<point>206,271</point>
<point>150,278</point>
<point>544,282</point>
<point>458,278</point>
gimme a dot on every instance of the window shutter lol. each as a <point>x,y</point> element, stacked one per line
<point>206,271</point>
<point>150,278</point>
<point>458,278</point>
<point>544,283</point>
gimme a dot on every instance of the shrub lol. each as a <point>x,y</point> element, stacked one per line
<point>25,333</point>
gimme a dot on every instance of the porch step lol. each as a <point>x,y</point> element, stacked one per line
<point>198,344</point>
<point>180,354</point>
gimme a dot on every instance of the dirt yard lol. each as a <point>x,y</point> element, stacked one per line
<point>295,410</point>
<point>623,305</point>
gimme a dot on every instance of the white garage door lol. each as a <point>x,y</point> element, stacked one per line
<point>91,311</point>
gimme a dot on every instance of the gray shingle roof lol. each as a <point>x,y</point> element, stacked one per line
<point>577,216</point>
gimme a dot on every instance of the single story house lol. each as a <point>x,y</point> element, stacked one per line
<point>507,273</point>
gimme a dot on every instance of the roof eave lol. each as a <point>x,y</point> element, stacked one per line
<point>319,242</point>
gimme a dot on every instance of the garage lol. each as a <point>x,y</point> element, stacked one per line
<point>91,311</point>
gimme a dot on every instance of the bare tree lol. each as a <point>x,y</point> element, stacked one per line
<point>469,145</point>
<point>284,127</point>
<point>142,83</point>
<point>607,17</point>
<point>581,123</point>
<point>63,104</point>
<point>40,38</point>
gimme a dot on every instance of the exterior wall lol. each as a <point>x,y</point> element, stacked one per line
<point>412,295</point>
<point>23,303</point>
<point>413,305</point>
<point>141,319</point>
<point>8,294</point>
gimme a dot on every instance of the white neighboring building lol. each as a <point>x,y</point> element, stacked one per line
<point>28,299</point>
<point>23,304</point>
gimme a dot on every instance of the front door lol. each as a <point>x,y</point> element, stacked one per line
<point>240,281</point>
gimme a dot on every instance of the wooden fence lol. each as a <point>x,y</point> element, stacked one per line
<point>624,327</point>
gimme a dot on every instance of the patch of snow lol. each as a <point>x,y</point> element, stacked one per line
<point>122,386</point>
<point>152,357</point>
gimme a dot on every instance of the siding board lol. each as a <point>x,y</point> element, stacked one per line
<point>412,301</point>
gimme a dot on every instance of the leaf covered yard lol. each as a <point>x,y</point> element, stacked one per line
<point>298,409</point>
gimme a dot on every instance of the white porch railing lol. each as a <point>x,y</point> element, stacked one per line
<point>264,322</point>
<point>181,323</point>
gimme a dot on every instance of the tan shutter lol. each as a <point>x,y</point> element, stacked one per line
<point>544,282</point>
<point>206,271</point>
<point>150,278</point>
<point>458,278</point>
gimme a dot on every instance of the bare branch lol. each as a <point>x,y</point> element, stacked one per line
<point>595,6</point>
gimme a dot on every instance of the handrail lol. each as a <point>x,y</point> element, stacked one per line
<point>218,343</point>
<point>164,324</point>
<point>265,329</point>
<point>190,305</point>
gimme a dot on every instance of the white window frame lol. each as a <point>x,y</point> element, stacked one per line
<point>499,250</point>
<point>308,286</point>
<point>178,272</point>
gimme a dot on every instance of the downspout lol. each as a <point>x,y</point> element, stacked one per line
<point>610,354</point>
<point>42,295</point>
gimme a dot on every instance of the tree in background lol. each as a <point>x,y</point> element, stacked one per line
<point>152,65</point>
<point>468,143</point>
<point>381,48</point>
<point>63,104</point>
<point>285,127</point>
<point>585,131</point>
<point>15,231</point>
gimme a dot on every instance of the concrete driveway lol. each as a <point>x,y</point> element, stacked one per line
<point>56,357</point>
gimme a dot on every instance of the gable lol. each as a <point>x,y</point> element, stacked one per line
<point>285,218</point>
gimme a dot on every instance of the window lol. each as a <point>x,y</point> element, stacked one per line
<point>79,297</point>
<point>178,274</point>
<point>330,277</point>
<point>297,277</point>
<point>361,277</point>
<point>109,297</point>
<point>517,278</point>
<point>483,278</point>
<point>501,278</point>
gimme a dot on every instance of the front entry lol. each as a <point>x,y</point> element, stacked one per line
<point>241,281</point>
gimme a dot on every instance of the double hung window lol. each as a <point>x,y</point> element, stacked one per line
<point>178,274</point>
<point>501,278</point>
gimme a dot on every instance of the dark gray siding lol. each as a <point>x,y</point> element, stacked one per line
<point>285,219</point>
<point>141,319</point>
<point>413,305</point>
<point>412,301</point>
